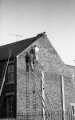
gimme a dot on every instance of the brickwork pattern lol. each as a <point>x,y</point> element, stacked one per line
<point>51,64</point>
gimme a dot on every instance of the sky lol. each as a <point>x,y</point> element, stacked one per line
<point>20,19</point>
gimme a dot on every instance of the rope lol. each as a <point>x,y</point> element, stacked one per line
<point>45,107</point>
<point>45,93</point>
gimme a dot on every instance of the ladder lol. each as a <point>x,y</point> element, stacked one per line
<point>28,117</point>
<point>41,94</point>
<point>33,98</point>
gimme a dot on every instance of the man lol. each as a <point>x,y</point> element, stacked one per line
<point>27,60</point>
<point>36,49</point>
<point>34,55</point>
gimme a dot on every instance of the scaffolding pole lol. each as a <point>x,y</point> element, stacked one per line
<point>5,72</point>
<point>43,94</point>
<point>62,97</point>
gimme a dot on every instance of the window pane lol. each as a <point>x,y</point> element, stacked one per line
<point>11,77</point>
<point>10,68</point>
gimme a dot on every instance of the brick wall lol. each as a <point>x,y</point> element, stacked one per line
<point>51,64</point>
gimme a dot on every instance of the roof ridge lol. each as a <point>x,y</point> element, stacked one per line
<point>15,42</point>
<point>18,46</point>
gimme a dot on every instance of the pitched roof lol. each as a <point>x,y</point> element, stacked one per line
<point>17,47</point>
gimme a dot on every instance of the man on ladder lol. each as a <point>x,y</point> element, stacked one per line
<point>34,51</point>
<point>34,55</point>
<point>32,59</point>
<point>27,61</point>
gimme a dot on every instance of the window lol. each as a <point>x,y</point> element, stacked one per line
<point>10,106</point>
<point>11,68</point>
<point>10,75</point>
<point>8,99</point>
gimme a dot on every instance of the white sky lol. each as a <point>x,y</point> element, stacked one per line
<point>30,17</point>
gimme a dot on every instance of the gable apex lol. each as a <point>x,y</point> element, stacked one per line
<point>18,46</point>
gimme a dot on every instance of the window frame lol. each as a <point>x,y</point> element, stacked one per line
<point>10,108</point>
<point>11,81</point>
